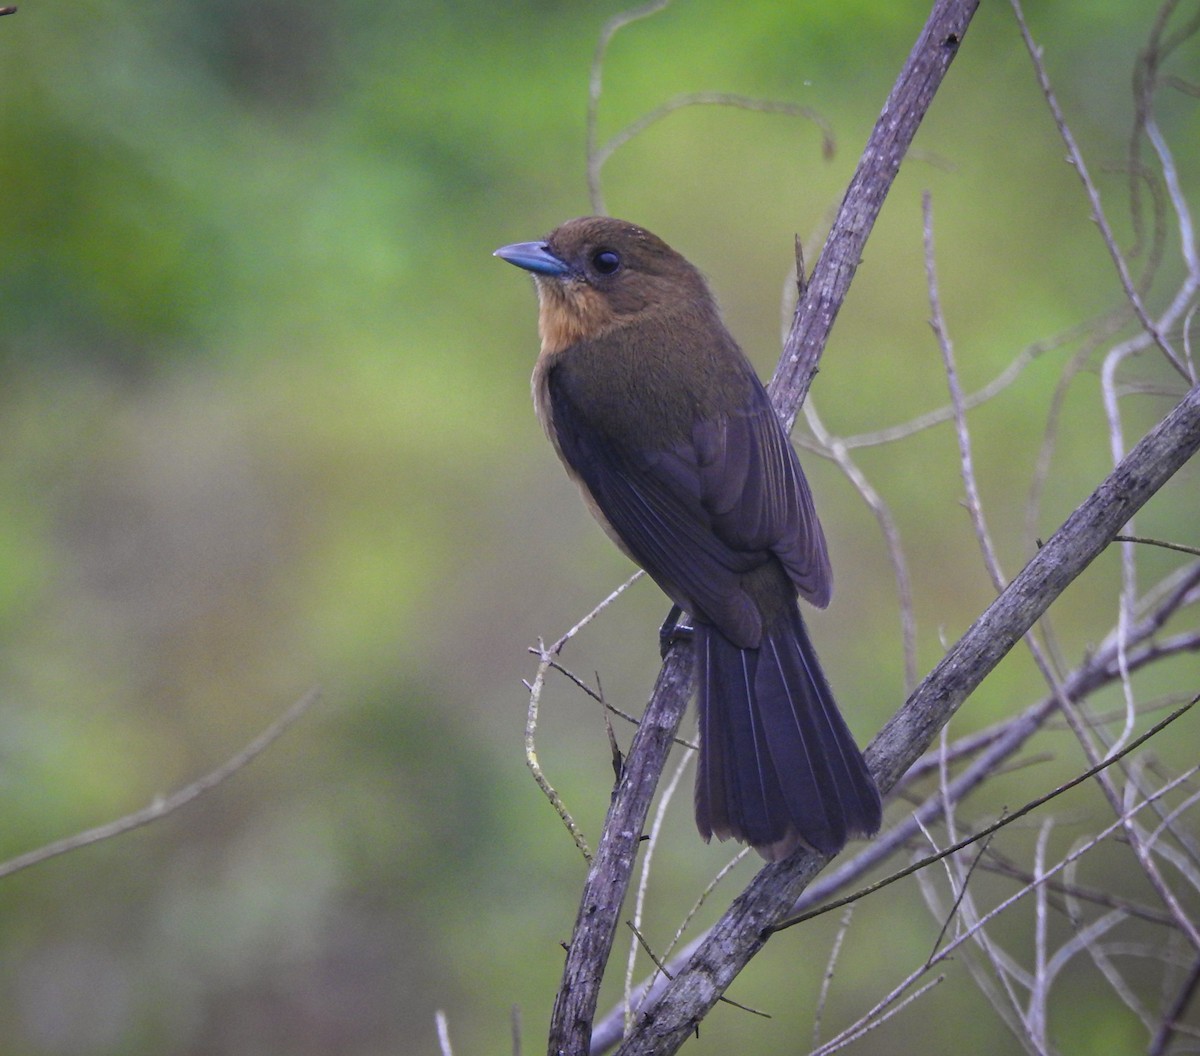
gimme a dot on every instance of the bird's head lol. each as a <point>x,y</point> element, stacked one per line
<point>596,273</point>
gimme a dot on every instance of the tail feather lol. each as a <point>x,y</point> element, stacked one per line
<point>778,765</point>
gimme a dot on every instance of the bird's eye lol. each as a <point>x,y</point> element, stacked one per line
<point>605,261</point>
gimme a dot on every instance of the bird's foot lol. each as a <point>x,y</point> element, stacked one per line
<point>674,628</point>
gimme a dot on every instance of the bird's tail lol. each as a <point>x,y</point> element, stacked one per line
<point>778,766</point>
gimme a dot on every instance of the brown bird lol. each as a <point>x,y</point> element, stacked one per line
<point>660,419</point>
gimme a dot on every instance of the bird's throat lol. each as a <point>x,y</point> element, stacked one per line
<point>569,313</point>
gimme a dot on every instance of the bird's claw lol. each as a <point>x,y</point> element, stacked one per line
<point>674,628</point>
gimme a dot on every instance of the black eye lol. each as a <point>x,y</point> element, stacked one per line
<point>605,261</point>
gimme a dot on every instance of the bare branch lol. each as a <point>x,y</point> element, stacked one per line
<point>1076,159</point>
<point>938,323</point>
<point>689,99</point>
<point>830,967</point>
<point>161,807</point>
<point>609,875</point>
<point>1193,550</point>
<point>1175,1010</point>
<point>836,450</point>
<point>596,84</point>
<point>1139,845</point>
<point>534,764</point>
<point>664,801</point>
<point>443,1033</point>
<point>1121,822</point>
<point>546,662</point>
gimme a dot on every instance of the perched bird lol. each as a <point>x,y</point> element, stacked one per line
<point>660,419</point>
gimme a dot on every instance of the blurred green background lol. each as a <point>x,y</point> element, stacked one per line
<point>265,424</point>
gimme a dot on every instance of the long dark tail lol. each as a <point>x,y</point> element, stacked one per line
<point>778,767</point>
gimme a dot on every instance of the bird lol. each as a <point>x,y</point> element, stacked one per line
<point>661,420</point>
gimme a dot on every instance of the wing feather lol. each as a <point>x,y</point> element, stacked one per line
<point>700,515</point>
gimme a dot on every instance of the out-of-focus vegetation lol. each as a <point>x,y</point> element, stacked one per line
<point>264,423</point>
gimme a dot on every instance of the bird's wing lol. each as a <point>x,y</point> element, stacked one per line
<point>755,491</point>
<point>700,515</point>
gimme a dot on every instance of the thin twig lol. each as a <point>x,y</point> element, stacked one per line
<point>1180,547</point>
<point>963,885</point>
<point>557,647</point>
<point>1077,892</point>
<point>941,415</point>
<point>876,1018</point>
<point>968,918</point>
<point>830,968</point>
<point>596,87</point>
<point>1175,1010</point>
<point>1100,954</point>
<point>646,989</point>
<point>165,805</point>
<point>1128,591</point>
<point>639,905</point>
<point>547,660</point>
<point>836,450</point>
<point>1075,157</point>
<point>609,707</point>
<point>689,99</point>
<point>443,1033</point>
<point>1141,850</point>
<point>938,322</point>
<point>534,763</point>
<point>641,940</point>
<point>1004,820</point>
<point>1007,903</point>
<point>1037,1014</point>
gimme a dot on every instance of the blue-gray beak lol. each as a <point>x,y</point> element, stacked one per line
<point>533,256</point>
